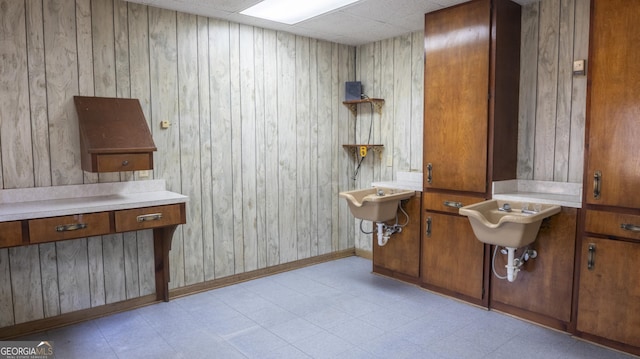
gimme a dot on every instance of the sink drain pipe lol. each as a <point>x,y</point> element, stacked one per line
<point>382,239</point>
<point>513,264</point>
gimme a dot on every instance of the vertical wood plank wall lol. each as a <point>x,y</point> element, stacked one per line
<point>552,100</point>
<point>256,118</point>
<point>255,142</point>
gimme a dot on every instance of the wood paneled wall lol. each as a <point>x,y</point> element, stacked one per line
<point>257,124</point>
<point>552,100</point>
<point>390,69</point>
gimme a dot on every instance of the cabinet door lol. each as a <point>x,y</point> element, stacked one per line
<point>456,87</point>
<point>545,283</point>
<point>609,292</point>
<point>614,111</point>
<point>401,254</point>
<point>452,257</point>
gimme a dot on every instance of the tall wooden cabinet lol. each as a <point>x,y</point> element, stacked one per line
<point>608,290</point>
<point>470,134</point>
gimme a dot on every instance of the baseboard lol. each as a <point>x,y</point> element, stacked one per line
<point>77,316</point>
<point>364,253</point>
<point>258,273</point>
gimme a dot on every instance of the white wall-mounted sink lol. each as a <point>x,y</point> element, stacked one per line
<point>376,204</point>
<point>516,228</point>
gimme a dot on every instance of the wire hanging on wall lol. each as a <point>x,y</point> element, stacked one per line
<point>355,139</point>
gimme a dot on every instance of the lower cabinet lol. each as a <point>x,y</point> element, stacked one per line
<point>452,259</point>
<point>586,283</point>
<point>608,305</point>
<point>400,257</point>
<point>542,291</point>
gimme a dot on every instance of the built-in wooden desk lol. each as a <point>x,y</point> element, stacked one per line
<point>48,214</point>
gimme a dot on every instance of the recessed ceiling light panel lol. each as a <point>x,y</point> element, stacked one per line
<point>293,11</point>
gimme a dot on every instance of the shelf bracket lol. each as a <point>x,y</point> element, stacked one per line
<point>352,105</point>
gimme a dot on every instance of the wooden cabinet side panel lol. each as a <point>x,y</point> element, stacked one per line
<point>609,294</point>
<point>544,285</point>
<point>504,84</point>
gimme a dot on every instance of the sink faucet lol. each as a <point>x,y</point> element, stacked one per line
<point>505,208</point>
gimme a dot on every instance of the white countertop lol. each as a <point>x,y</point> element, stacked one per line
<point>404,180</point>
<point>546,192</point>
<point>40,202</point>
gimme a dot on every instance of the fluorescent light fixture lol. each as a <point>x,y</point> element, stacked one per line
<point>293,11</point>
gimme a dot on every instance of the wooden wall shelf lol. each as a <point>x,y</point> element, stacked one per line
<point>353,104</point>
<point>354,149</point>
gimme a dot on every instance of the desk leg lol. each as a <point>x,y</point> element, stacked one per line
<point>161,246</point>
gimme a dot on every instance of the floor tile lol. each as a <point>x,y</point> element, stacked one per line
<point>337,309</point>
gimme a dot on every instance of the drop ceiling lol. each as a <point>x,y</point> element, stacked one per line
<point>360,23</point>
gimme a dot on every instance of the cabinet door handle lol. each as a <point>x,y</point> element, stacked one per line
<point>597,183</point>
<point>70,227</point>
<point>453,204</point>
<point>429,173</point>
<point>428,231</point>
<point>630,227</point>
<point>591,257</point>
<point>149,217</point>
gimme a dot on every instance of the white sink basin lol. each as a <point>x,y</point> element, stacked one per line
<point>513,229</point>
<point>375,204</point>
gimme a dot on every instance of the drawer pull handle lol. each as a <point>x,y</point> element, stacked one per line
<point>591,257</point>
<point>125,163</point>
<point>70,227</point>
<point>453,204</point>
<point>597,183</point>
<point>428,231</point>
<point>149,217</point>
<point>630,227</point>
<point>429,173</point>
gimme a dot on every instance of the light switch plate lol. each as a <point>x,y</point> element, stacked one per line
<point>579,67</point>
<point>165,124</point>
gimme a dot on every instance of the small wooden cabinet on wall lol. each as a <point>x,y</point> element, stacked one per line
<point>470,134</point>
<point>607,293</point>
<point>114,135</point>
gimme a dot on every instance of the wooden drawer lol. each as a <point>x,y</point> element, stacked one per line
<point>450,203</point>
<point>68,227</point>
<point>121,162</point>
<point>611,223</point>
<point>10,234</point>
<point>149,217</point>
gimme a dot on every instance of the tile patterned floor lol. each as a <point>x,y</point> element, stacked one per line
<point>337,309</point>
